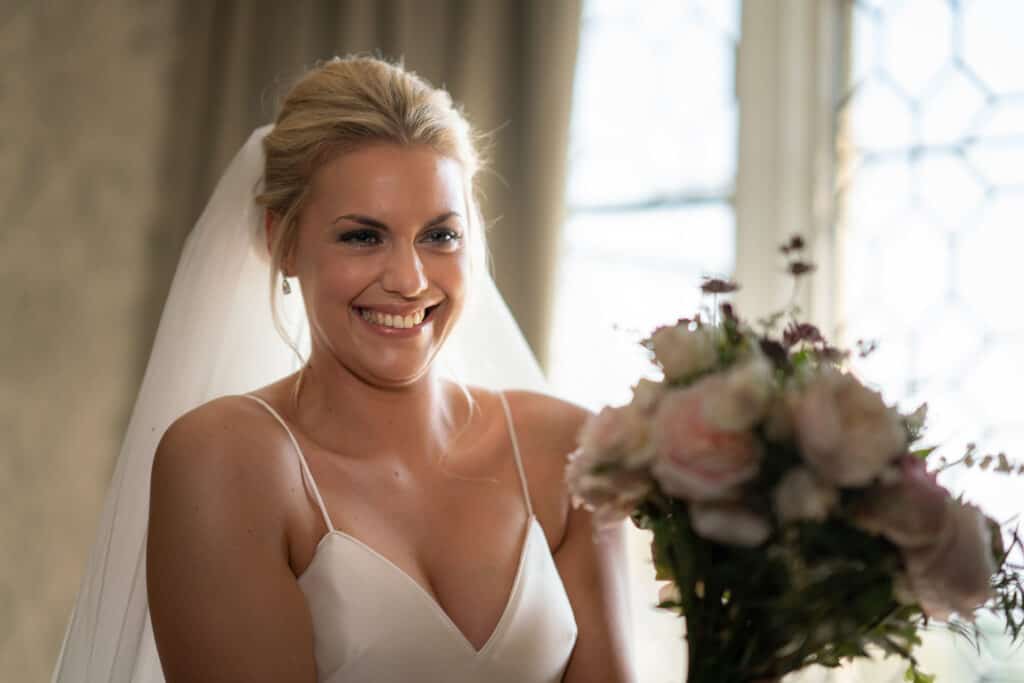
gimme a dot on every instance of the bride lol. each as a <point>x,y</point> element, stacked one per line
<point>389,511</point>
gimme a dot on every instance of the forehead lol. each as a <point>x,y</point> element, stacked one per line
<point>382,180</point>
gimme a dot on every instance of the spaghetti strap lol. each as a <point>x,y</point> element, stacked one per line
<point>302,461</point>
<point>515,451</point>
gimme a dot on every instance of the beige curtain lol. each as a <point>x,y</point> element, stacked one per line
<point>510,63</point>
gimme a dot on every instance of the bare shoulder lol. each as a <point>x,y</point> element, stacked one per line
<point>547,428</point>
<point>546,419</point>
<point>220,433</point>
<point>229,452</point>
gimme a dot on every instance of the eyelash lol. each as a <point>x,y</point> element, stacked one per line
<point>367,238</point>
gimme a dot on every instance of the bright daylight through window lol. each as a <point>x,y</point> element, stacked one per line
<point>924,219</point>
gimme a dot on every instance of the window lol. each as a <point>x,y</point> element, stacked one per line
<point>652,172</point>
<point>891,133</point>
<point>933,143</point>
<point>931,150</point>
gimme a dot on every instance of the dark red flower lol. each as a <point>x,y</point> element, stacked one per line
<point>775,352</point>
<point>718,286</point>
<point>798,332</point>
<point>798,268</point>
<point>795,243</point>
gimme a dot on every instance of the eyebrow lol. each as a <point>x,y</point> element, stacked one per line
<point>374,223</point>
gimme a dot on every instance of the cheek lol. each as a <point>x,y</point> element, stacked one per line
<point>343,279</point>
<point>448,272</point>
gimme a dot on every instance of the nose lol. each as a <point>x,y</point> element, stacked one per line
<point>403,272</point>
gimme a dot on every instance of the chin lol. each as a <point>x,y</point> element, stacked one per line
<point>392,377</point>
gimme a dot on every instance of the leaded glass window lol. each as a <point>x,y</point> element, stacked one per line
<point>933,157</point>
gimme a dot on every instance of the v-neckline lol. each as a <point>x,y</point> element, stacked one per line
<point>432,602</point>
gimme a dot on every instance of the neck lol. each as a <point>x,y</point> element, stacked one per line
<point>346,414</point>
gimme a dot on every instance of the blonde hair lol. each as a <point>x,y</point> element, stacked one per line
<point>342,105</point>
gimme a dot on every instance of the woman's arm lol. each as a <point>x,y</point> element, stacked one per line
<point>592,566</point>
<point>593,569</point>
<point>224,602</point>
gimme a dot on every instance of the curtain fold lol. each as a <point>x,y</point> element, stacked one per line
<point>509,63</point>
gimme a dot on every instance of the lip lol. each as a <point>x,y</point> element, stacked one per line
<point>393,332</point>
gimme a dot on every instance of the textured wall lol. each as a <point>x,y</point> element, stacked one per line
<point>84,96</point>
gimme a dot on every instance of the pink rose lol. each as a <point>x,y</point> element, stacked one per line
<point>695,460</point>
<point>845,430</point>
<point>911,512</point>
<point>619,436</point>
<point>954,573</point>
<point>610,492</point>
<point>946,545</point>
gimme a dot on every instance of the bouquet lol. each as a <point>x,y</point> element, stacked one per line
<point>794,514</point>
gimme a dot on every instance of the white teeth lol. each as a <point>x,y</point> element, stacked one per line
<point>395,321</point>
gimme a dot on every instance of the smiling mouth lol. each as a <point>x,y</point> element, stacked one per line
<point>399,322</point>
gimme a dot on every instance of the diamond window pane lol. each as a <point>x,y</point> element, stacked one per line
<point>933,249</point>
<point>927,26</point>
<point>654,111</point>
<point>992,47</point>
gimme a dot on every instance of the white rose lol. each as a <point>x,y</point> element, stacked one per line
<point>729,523</point>
<point>743,398</point>
<point>803,496</point>
<point>670,593</point>
<point>646,396</point>
<point>682,352</point>
<point>845,431</point>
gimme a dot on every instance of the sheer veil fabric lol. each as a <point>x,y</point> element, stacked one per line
<point>217,337</point>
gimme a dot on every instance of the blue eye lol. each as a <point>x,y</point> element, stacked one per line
<point>360,238</point>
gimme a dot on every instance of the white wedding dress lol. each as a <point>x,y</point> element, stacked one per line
<point>372,623</point>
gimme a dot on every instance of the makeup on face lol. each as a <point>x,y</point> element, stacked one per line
<point>383,239</point>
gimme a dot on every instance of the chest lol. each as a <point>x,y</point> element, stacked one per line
<point>372,624</point>
<point>452,536</point>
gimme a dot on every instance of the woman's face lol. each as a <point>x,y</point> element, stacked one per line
<point>382,259</point>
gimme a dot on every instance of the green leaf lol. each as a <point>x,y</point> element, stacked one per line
<point>662,566</point>
<point>923,453</point>
<point>914,676</point>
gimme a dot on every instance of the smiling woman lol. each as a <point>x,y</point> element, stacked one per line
<point>380,238</point>
<point>371,515</point>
